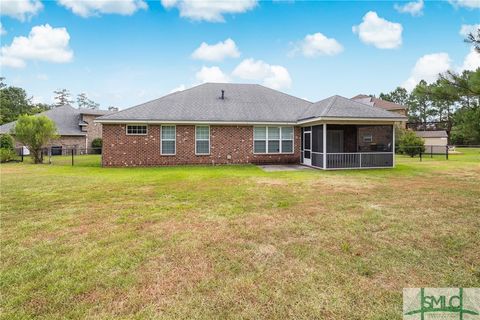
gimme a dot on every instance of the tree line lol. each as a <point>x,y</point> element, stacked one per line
<point>14,101</point>
<point>451,103</point>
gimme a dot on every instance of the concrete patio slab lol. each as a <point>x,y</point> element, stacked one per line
<point>283,167</point>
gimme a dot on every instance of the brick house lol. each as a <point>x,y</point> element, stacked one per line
<point>76,127</point>
<point>222,123</point>
<point>387,105</point>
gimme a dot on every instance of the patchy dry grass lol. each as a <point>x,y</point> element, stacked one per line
<point>234,242</point>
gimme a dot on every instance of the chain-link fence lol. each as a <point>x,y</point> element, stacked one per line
<point>435,152</point>
<point>92,157</point>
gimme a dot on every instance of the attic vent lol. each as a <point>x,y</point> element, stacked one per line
<point>223,95</point>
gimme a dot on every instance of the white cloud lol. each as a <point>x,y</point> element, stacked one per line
<point>415,8</point>
<point>2,30</point>
<point>87,8</point>
<point>273,76</point>
<point>379,32</point>
<point>211,11</point>
<point>43,43</point>
<point>211,74</point>
<point>21,9</point>
<point>469,4</point>
<point>467,28</point>
<point>179,88</point>
<point>427,68</point>
<point>216,52</point>
<point>318,44</point>
<point>471,61</point>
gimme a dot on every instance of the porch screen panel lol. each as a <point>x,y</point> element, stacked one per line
<point>317,138</point>
<point>317,160</point>
<point>373,138</point>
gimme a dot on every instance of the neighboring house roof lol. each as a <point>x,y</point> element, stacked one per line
<point>66,118</point>
<point>242,103</point>
<point>95,112</point>
<point>340,107</point>
<point>432,134</point>
<point>379,103</point>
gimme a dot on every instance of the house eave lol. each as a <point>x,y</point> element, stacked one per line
<point>349,120</point>
<point>190,122</point>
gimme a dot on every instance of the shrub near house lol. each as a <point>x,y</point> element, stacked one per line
<point>411,144</point>
<point>7,152</point>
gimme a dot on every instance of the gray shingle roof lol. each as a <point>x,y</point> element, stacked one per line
<point>242,103</point>
<point>66,118</point>
<point>432,134</point>
<point>340,107</point>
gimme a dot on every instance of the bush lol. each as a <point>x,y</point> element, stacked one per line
<point>7,155</point>
<point>97,143</point>
<point>6,142</point>
<point>411,144</point>
<point>35,133</point>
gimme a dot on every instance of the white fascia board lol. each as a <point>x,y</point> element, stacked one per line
<point>180,122</point>
<point>345,120</point>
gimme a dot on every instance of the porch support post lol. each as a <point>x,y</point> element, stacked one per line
<point>324,146</point>
<point>393,145</point>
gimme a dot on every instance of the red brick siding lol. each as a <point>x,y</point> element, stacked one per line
<point>93,130</point>
<point>236,142</point>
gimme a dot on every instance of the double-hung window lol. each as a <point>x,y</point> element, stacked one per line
<point>202,140</point>
<point>287,139</point>
<point>168,140</point>
<point>136,129</point>
<point>260,139</point>
<point>273,139</point>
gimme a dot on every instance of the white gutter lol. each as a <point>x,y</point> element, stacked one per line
<point>347,119</point>
<point>107,121</point>
<point>305,121</point>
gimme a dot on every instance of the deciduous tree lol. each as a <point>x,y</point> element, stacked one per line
<point>35,132</point>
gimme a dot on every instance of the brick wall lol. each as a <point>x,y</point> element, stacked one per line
<point>228,145</point>
<point>94,130</point>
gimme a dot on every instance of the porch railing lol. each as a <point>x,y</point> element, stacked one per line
<point>359,160</point>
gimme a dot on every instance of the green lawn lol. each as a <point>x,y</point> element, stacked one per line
<point>233,241</point>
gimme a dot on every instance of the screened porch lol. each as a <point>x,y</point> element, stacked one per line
<point>340,146</point>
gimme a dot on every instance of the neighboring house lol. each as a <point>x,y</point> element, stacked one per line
<point>387,105</point>
<point>222,123</point>
<point>435,141</point>
<point>76,127</point>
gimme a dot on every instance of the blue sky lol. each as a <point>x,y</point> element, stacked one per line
<point>127,52</point>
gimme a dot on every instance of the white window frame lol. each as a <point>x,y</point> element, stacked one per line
<point>136,125</point>
<point>162,139</point>
<point>280,140</point>
<point>196,139</point>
